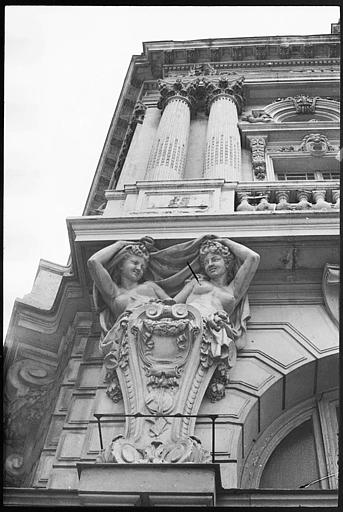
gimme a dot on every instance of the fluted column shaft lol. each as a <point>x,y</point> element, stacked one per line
<point>168,155</point>
<point>223,145</point>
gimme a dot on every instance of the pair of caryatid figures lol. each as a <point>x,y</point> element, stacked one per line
<point>128,275</point>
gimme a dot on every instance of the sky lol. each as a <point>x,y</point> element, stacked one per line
<point>64,69</point>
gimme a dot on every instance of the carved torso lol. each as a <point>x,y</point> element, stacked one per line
<point>128,299</point>
<point>207,298</point>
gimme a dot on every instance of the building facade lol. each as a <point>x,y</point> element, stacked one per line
<point>236,138</point>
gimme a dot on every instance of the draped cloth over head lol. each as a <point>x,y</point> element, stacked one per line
<point>169,269</point>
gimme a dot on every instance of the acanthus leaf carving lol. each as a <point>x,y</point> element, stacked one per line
<point>200,91</point>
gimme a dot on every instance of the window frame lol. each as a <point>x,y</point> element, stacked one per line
<point>254,464</point>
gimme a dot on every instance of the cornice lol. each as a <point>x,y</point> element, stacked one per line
<point>251,226</point>
<point>247,41</point>
<point>247,64</point>
<point>42,328</point>
<point>225,498</point>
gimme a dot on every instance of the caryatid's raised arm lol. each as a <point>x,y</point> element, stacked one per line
<point>97,264</point>
<point>250,261</point>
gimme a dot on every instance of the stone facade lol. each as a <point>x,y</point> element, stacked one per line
<point>236,139</point>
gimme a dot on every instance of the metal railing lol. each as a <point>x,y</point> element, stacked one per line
<point>212,417</point>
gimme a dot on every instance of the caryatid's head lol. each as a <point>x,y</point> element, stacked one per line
<point>216,260</point>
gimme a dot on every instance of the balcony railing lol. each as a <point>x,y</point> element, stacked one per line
<point>287,196</point>
<point>212,417</point>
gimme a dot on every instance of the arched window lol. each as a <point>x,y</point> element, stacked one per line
<point>299,450</point>
<point>294,461</point>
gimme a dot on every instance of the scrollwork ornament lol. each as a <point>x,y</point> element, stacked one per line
<point>182,450</point>
<point>113,387</point>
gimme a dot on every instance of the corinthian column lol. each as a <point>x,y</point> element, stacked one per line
<point>168,155</point>
<point>223,144</point>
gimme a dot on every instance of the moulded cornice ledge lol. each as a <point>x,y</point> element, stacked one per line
<point>271,225</point>
<point>225,498</point>
<point>329,126</point>
<point>173,184</point>
<point>28,321</point>
<point>242,41</point>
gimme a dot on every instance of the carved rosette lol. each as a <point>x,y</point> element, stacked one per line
<point>258,156</point>
<point>164,362</point>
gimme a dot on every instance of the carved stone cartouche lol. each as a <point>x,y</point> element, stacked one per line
<point>316,144</point>
<point>164,364</point>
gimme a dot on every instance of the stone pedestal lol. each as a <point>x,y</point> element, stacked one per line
<point>149,485</point>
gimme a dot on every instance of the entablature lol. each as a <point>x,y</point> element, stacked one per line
<point>272,66</point>
<point>317,234</point>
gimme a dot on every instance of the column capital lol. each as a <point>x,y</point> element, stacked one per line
<point>175,90</point>
<point>223,86</point>
<point>201,91</point>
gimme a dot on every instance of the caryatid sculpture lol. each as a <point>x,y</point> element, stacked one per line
<point>163,354</point>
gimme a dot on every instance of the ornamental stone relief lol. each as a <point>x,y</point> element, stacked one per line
<point>258,150</point>
<point>303,104</point>
<point>169,338</point>
<point>316,144</point>
<point>30,386</point>
<point>257,116</point>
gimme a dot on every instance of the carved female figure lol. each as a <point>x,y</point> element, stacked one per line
<point>216,294</point>
<point>119,287</point>
<point>221,286</point>
<point>118,274</point>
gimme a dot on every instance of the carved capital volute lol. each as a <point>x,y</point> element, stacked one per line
<point>222,87</point>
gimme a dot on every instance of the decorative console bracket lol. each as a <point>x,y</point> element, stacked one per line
<point>163,360</point>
